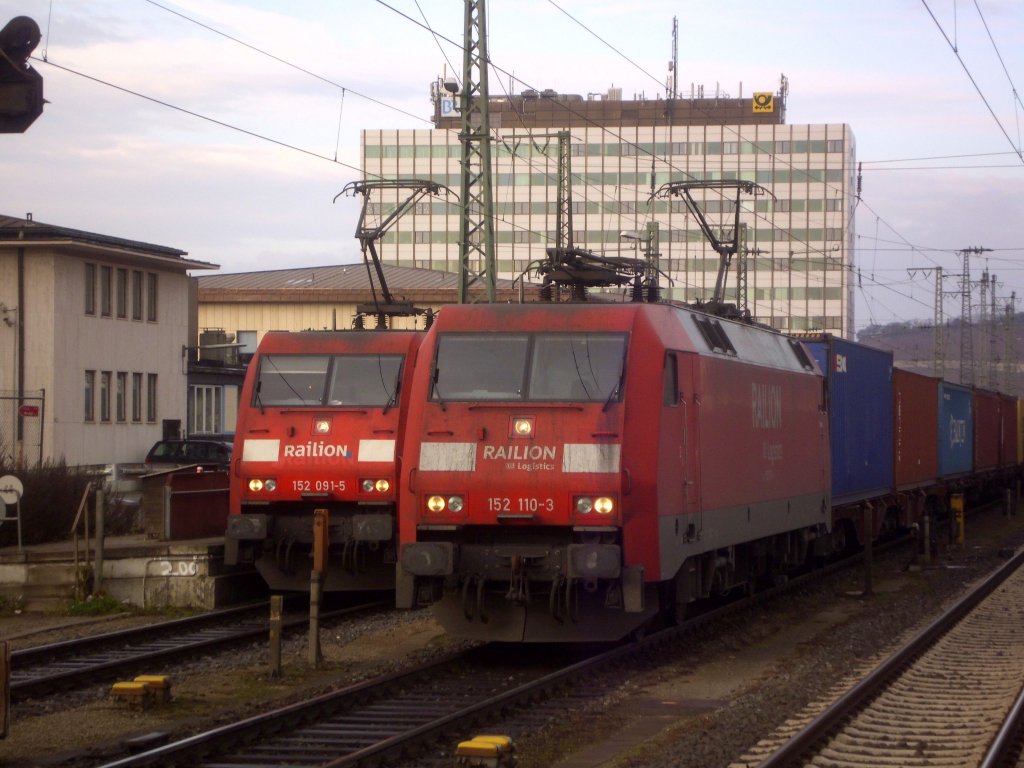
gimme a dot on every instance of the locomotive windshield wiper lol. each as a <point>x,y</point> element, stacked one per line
<point>393,398</point>
<point>433,388</point>
<point>259,401</point>
<point>616,389</point>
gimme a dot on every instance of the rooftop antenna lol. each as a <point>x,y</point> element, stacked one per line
<point>671,88</point>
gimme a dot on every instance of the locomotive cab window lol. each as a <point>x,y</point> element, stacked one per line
<point>540,367</point>
<point>337,380</point>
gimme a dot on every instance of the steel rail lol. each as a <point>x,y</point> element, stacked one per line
<point>93,664</point>
<point>250,731</point>
<point>879,678</point>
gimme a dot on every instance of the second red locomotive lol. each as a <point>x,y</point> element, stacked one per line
<point>320,425</point>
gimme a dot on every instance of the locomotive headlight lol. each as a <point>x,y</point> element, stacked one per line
<point>455,503</point>
<point>380,486</point>
<point>322,427</point>
<point>602,505</point>
<point>436,504</point>
<point>256,485</point>
<point>521,426</point>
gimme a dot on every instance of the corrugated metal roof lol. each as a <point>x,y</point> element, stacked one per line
<point>13,228</point>
<point>344,277</point>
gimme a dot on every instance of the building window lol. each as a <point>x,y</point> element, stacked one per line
<point>834,145</point>
<point>136,295</point>
<point>782,206</point>
<point>834,233</point>
<point>122,293</point>
<point>151,294</point>
<point>579,206</point>
<point>205,410</point>
<point>521,236</point>
<point>150,397</point>
<point>105,279</point>
<point>421,237</point>
<point>90,289</point>
<point>136,397</point>
<point>730,148</point>
<point>121,396</point>
<point>678,147</point>
<point>90,388</point>
<point>834,204</point>
<point>104,395</point>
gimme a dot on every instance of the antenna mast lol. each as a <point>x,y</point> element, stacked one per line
<point>672,84</point>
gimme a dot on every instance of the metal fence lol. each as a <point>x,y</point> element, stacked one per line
<point>21,428</point>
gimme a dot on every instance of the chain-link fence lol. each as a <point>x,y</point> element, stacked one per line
<point>21,428</point>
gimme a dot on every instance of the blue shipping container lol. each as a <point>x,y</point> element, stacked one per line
<point>859,381</point>
<point>956,429</point>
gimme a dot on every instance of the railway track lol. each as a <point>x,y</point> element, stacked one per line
<point>938,701</point>
<point>401,714</point>
<point>46,669</point>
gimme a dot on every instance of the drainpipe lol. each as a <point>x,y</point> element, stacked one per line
<point>19,319</point>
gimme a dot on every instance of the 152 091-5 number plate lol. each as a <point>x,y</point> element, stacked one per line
<point>318,486</point>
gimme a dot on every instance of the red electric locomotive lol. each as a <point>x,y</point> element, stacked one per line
<point>572,470</point>
<point>319,425</point>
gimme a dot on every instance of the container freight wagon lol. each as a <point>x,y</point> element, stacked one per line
<point>956,431</point>
<point>1009,447</point>
<point>859,386</point>
<point>988,431</point>
<point>915,405</point>
<point>319,426</point>
<point>571,470</point>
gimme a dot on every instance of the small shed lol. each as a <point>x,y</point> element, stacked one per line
<point>185,502</point>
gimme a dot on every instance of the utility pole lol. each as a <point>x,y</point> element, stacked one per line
<point>983,357</point>
<point>1009,348</point>
<point>966,328</point>
<point>476,238</point>
<point>939,340</point>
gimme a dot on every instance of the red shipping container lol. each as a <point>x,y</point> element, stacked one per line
<point>1008,416</point>
<point>988,437</point>
<point>915,433</point>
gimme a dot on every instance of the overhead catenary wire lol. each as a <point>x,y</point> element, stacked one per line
<point>811,249</point>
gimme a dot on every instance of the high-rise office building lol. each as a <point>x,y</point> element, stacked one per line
<point>797,228</point>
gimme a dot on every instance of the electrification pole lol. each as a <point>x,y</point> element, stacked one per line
<point>966,329</point>
<point>476,238</point>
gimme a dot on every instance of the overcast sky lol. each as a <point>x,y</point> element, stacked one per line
<point>107,161</point>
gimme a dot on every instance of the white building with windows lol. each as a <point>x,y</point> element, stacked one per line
<point>93,331</point>
<point>799,233</point>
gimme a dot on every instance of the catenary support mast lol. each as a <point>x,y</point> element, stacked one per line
<point>476,239</point>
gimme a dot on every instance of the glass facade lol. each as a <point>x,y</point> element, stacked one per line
<point>799,233</point>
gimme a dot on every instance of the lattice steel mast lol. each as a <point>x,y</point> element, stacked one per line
<point>476,238</point>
